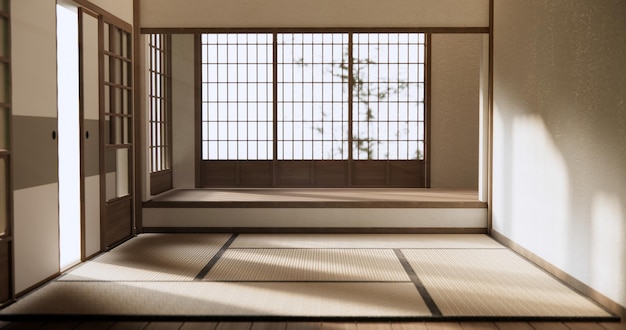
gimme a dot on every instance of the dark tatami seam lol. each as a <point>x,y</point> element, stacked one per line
<point>430,303</point>
<point>205,270</point>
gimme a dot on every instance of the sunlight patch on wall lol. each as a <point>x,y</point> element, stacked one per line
<point>540,190</point>
<point>607,226</point>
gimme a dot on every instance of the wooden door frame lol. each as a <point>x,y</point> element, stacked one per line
<point>105,17</point>
<point>116,204</point>
<point>81,129</point>
<point>7,238</point>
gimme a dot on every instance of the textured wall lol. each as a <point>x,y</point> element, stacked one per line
<point>121,8</point>
<point>559,138</point>
<point>455,92</point>
<point>314,13</point>
<point>183,109</point>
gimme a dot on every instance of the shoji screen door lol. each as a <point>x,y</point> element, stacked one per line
<point>106,126</point>
<point>34,138</point>
<point>116,120</point>
<point>90,121</point>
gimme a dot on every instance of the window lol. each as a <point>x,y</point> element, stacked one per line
<point>237,112</point>
<point>312,96</point>
<point>388,91</point>
<point>336,96</point>
<point>159,113</point>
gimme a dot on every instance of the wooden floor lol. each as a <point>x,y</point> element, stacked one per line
<point>320,197</point>
<point>320,194</point>
<point>312,326</point>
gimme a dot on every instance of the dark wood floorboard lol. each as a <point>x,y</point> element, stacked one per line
<point>584,326</point>
<point>269,326</point>
<point>105,325</point>
<point>479,326</point>
<point>514,325</point>
<point>444,326</point>
<point>304,326</point>
<point>164,326</point>
<point>613,326</point>
<point>549,326</point>
<point>199,326</point>
<point>129,326</point>
<point>313,325</point>
<point>374,326</point>
<point>409,326</point>
<point>338,326</point>
<point>234,326</point>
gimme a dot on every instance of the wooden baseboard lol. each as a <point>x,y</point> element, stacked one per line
<point>160,182</point>
<point>314,230</point>
<point>586,290</point>
<point>37,285</point>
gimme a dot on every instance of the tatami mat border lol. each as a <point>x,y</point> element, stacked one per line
<point>207,268</point>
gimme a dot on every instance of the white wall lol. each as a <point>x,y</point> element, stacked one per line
<point>559,162</point>
<point>314,13</point>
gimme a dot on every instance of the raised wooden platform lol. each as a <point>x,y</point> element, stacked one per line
<point>316,210</point>
<point>320,197</point>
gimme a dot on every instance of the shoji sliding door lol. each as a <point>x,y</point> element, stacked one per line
<point>117,126</point>
<point>34,142</point>
<point>90,144</point>
<point>106,113</point>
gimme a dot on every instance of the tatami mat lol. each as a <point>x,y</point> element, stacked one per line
<point>316,276</point>
<point>365,241</point>
<point>152,257</point>
<point>494,283</point>
<point>373,265</point>
<point>224,299</point>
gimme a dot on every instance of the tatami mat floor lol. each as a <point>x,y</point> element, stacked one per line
<point>308,277</point>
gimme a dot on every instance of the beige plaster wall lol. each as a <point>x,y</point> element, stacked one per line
<point>559,155</point>
<point>123,9</point>
<point>314,13</point>
<point>183,109</point>
<point>455,90</point>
